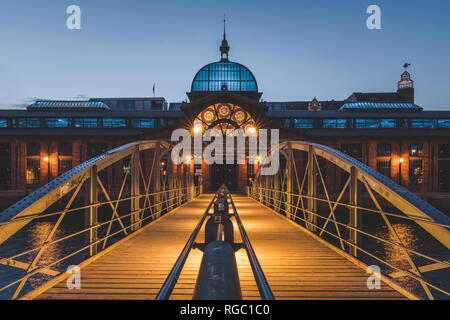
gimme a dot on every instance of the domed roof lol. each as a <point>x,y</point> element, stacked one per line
<point>224,76</point>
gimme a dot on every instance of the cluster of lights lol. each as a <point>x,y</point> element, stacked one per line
<point>198,128</point>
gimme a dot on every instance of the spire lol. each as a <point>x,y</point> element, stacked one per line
<point>224,48</point>
<point>224,27</point>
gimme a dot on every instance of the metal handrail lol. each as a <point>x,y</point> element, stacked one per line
<point>359,231</point>
<point>350,206</point>
<point>84,248</point>
<point>145,204</point>
<point>36,216</point>
<point>100,224</point>
<point>171,280</point>
<point>260,278</point>
<point>283,192</point>
<point>415,277</point>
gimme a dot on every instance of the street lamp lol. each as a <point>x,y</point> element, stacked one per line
<point>400,161</point>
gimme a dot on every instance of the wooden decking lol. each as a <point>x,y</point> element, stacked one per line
<point>296,265</point>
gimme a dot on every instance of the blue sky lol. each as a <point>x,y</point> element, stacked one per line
<point>296,49</point>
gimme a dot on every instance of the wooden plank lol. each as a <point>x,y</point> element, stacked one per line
<point>296,265</point>
<point>309,269</point>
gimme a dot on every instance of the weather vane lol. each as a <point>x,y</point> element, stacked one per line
<point>406,65</point>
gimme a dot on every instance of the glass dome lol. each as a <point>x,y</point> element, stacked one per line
<point>224,76</point>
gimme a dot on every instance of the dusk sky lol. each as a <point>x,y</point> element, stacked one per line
<point>296,49</point>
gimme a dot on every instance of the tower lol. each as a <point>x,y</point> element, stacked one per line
<point>224,47</point>
<point>406,86</point>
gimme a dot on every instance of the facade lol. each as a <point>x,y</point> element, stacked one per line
<point>386,131</point>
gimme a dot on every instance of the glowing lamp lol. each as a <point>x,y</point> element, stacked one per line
<point>197,129</point>
<point>252,130</point>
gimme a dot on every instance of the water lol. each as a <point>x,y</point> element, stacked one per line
<point>411,235</point>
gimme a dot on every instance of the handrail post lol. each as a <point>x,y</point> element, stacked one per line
<point>93,211</point>
<point>135,190</point>
<point>157,181</point>
<point>312,191</point>
<point>289,183</point>
<point>353,212</point>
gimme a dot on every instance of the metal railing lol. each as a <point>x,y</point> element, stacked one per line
<point>77,215</point>
<point>410,240</point>
<point>261,281</point>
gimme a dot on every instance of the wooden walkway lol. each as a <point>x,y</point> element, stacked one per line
<point>296,265</point>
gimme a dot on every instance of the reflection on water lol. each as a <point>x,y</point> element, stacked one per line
<point>51,253</point>
<point>396,256</point>
<point>30,237</point>
<point>35,234</point>
<point>39,235</point>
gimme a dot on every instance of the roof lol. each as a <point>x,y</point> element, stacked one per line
<point>303,105</point>
<point>224,76</point>
<point>98,113</point>
<point>68,105</point>
<point>375,97</point>
<point>380,106</point>
<point>390,114</point>
<point>130,98</point>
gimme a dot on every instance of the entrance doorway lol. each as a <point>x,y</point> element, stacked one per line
<point>224,174</point>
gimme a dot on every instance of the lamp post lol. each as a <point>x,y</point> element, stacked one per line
<point>46,160</point>
<point>400,161</point>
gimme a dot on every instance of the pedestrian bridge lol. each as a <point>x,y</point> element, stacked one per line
<point>295,239</point>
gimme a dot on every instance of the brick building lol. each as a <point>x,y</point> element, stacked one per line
<point>386,131</point>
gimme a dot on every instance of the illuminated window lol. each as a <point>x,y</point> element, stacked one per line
<point>114,123</point>
<point>57,122</point>
<point>3,123</point>
<point>33,171</point>
<point>388,123</point>
<point>85,123</point>
<point>144,123</point>
<point>415,172</point>
<point>303,123</point>
<point>416,150</point>
<point>334,123</point>
<point>367,123</point>
<point>423,123</point>
<point>28,123</point>
<point>444,123</point>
